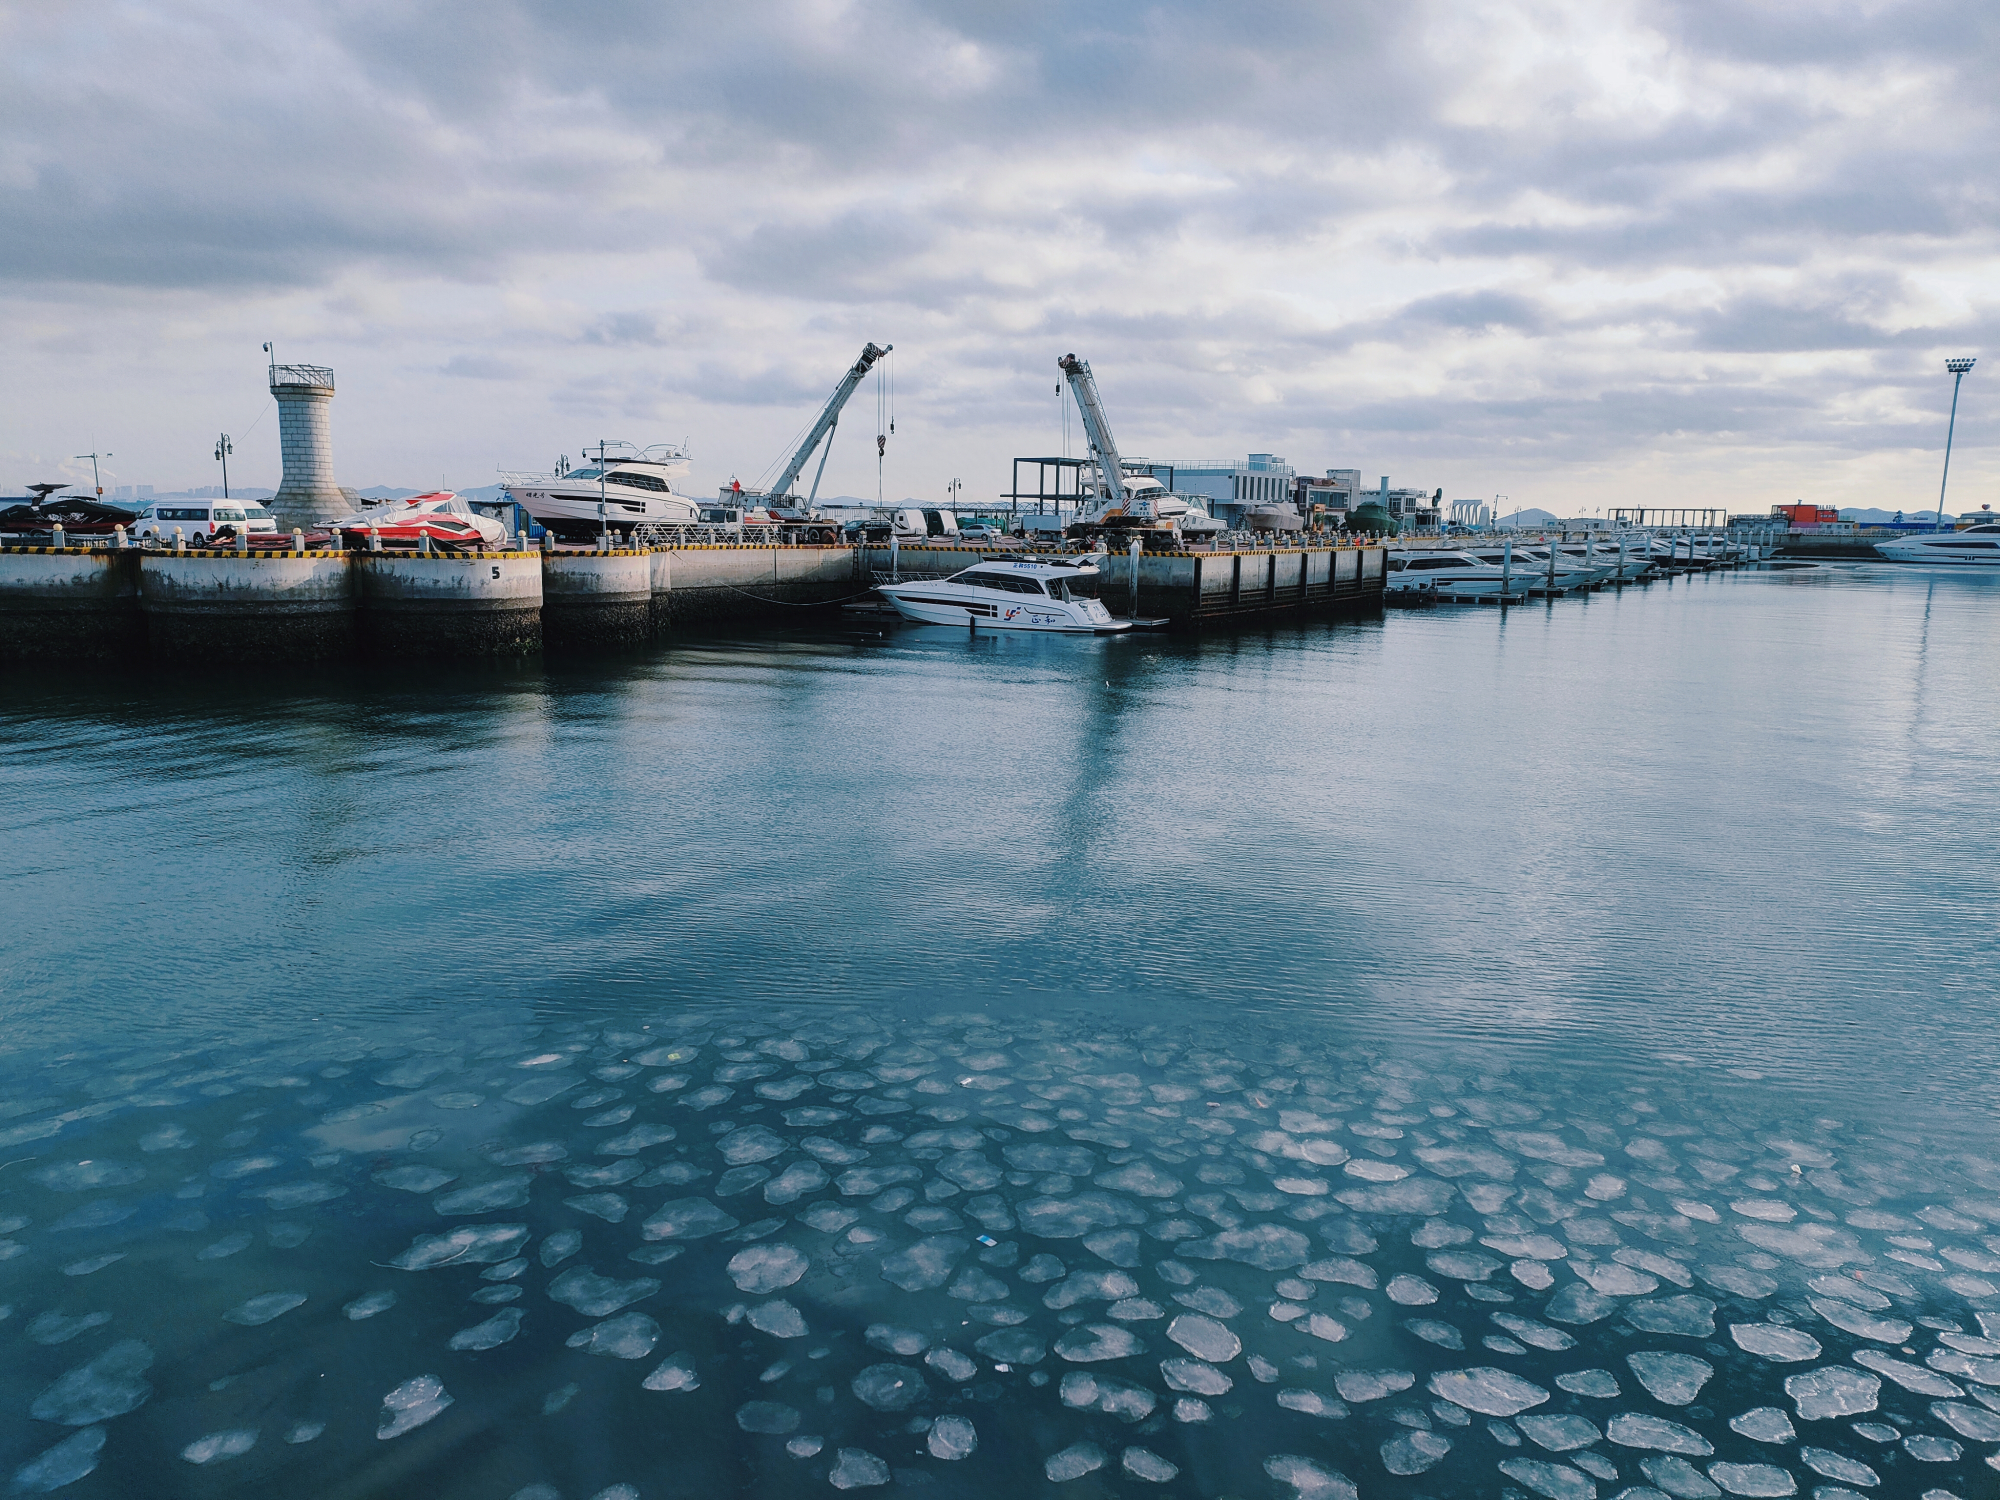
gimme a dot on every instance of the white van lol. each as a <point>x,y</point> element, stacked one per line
<point>197,520</point>
<point>910,524</point>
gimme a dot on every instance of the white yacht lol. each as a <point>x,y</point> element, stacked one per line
<point>1450,573</point>
<point>623,490</point>
<point>1976,546</point>
<point>1531,567</point>
<point>997,594</point>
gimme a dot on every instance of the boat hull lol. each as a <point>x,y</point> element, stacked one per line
<point>1931,554</point>
<point>572,515</point>
<point>981,615</point>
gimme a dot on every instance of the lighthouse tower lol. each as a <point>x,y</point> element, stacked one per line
<point>307,497</point>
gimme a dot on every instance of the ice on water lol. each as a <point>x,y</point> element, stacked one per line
<point>940,1237</point>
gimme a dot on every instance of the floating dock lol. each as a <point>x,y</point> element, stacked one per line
<point>197,607</point>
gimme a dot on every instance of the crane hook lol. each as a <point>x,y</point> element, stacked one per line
<point>881,444</point>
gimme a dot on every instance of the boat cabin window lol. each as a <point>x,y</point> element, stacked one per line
<point>1005,582</point>
<point>640,481</point>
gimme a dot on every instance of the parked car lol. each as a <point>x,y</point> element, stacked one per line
<point>979,531</point>
<point>198,520</point>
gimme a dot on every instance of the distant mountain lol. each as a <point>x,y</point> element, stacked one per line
<point>1528,519</point>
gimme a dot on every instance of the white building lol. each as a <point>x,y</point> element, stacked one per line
<point>1231,487</point>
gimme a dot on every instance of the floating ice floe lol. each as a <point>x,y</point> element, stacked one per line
<point>107,1386</point>
<point>64,1464</point>
<point>599,1296</point>
<point>1657,1434</point>
<point>411,1404</point>
<point>260,1310</point>
<point>220,1445</point>
<point>1832,1391</point>
<point>1490,1392</point>
<point>1671,1379</point>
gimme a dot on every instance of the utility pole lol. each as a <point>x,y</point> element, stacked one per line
<point>95,478</point>
<point>223,448</point>
<point>1957,367</point>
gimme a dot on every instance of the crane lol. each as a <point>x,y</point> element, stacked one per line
<point>781,492</point>
<point>1127,503</point>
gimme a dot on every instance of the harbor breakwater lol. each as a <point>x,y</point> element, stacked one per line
<point>195,607</point>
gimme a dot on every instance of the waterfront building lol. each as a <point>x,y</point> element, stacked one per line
<point>1232,487</point>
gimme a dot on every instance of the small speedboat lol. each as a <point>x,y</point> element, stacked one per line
<point>1976,546</point>
<point>1058,594</point>
<point>439,517</point>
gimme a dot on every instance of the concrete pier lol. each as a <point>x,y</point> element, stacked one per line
<point>439,604</point>
<point>201,608</point>
<point>237,607</point>
<point>597,598</point>
<point>708,585</point>
<point>69,604</point>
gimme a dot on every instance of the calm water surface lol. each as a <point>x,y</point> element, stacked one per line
<point>1442,1055</point>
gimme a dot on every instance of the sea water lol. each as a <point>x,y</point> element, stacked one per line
<point>1454,1054</point>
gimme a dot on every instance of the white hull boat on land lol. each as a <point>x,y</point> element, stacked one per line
<point>1043,594</point>
<point>615,495</point>
<point>1974,547</point>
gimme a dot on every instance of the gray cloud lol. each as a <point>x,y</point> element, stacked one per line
<point>1379,233</point>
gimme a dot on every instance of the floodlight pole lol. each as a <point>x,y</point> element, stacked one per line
<point>95,478</point>
<point>223,448</point>
<point>1957,367</point>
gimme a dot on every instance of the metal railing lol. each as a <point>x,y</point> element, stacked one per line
<point>317,375</point>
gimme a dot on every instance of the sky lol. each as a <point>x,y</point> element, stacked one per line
<point>1576,254</point>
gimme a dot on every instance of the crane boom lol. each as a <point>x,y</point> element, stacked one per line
<point>829,418</point>
<point>1096,428</point>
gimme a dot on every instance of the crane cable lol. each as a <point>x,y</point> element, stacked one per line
<point>885,422</point>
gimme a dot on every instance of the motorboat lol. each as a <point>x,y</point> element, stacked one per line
<point>439,517</point>
<point>35,517</point>
<point>622,490</point>
<point>1602,553</point>
<point>1058,594</point>
<point>1449,573</point>
<point>1976,547</point>
<point>1530,567</point>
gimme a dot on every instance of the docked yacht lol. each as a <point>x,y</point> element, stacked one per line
<point>1976,546</point>
<point>1045,593</point>
<point>622,490</point>
<point>1531,570</point>
<point>1450,573</point>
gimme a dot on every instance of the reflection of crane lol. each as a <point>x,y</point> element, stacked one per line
<point>780,494</point>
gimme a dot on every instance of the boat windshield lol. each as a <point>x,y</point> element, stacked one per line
<point>1083,586</point>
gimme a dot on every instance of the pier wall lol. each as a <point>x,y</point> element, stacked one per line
<point>201,607</point>
<point>701,585</point>
<point>71,604</point>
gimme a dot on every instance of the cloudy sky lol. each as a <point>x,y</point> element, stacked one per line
<point>1581,254</point>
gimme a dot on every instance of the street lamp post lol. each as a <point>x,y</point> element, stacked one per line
<point>223,449</point>
<point>95,478</point>
<point>1957,367</point>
